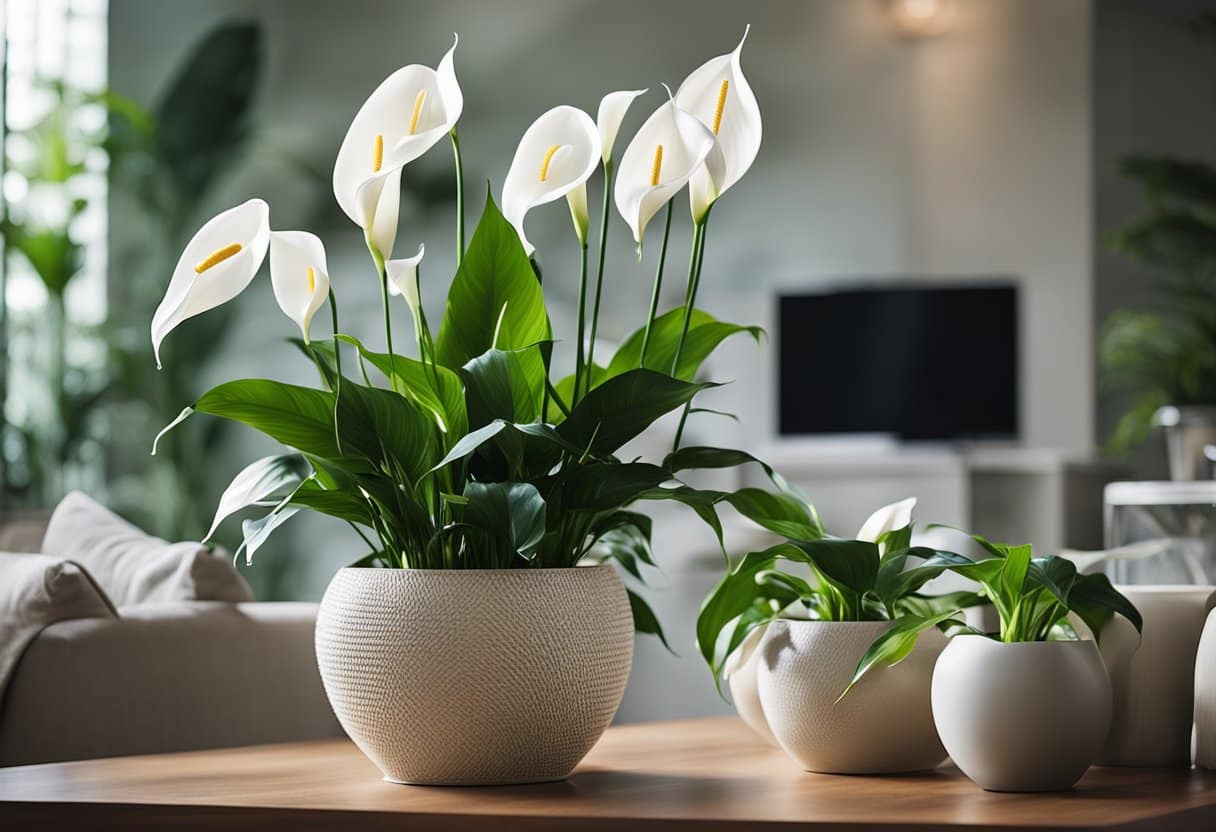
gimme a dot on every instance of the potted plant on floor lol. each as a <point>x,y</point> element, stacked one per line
<point>485,650</point>
<point>1026,708</point>
<point>789,643</point>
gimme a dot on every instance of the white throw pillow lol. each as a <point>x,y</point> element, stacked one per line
<point>37,591</point>
<point>134,567</point>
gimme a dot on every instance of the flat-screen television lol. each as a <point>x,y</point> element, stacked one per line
<point>916,362</point>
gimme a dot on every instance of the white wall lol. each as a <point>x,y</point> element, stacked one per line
<point>962,156</point>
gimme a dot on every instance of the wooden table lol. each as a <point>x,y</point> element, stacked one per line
<point>704,775</point>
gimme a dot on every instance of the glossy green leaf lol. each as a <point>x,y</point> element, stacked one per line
<point>495,301</point>
<point>258,481</point>
<point>644,619</point>
<point>704,335</point>
<point>622,407</point>
<point>896,643</point>
<point>513,512</point>
<point>779,513</point>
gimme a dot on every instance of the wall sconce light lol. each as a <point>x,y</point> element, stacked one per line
<point>920,18</point>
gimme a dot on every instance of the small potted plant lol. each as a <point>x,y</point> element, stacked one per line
<point>477,641</point>
<point>1026,708</point>
<point>789,641</point>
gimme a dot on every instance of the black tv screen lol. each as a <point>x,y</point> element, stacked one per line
<point>916,362</point>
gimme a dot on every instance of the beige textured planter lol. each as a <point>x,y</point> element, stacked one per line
<point>475,677</point>
<point>1153,675</point>
<point>1022,717</point>
<point>884,725</point>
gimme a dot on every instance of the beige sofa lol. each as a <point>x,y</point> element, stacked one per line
<point>165,676</point>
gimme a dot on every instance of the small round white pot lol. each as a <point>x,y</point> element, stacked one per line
<point>883,725</point>
<point>475,677</point>
<point>1022,717</point>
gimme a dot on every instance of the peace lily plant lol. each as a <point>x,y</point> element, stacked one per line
<point>464,452</point>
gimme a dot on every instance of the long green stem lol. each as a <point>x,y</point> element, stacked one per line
<point>580,359</point>
<point>658,287</point>
<point>378,258</point>
<point>459,199</point>
<point>599,270</point>
<point>694,283</point>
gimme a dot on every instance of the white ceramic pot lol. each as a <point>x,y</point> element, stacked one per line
<point>884,725</point>
<point>1205,696</point>
<point>741,676</point>
<point>1153,675</point>
<point>480,676</point>
<point>1022,717</point>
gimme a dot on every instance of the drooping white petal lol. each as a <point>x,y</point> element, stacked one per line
<point>217,264</point>
<point>403,278</point>
<point>718,94</point>
<point>887,519</point>
<point>378,202</point>
<point>557,154</point>
<point>411,110</point>
<point>668,148</point>
<point>608,118</point>
<point>299,275</point>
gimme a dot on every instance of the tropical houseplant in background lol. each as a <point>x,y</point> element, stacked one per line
<point>478,482</point>
<point>787,625</point>
<point>1026,708</point>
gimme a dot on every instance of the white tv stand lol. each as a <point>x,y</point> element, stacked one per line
<point>1019,495</point>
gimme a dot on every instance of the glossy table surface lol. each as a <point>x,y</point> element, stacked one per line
<point>705,775</point>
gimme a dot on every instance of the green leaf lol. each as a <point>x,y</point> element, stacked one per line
<point>343,505</point>
<point>1013,576</point>
<point>299,417</point>
<point>511,511</point>
<point>435,389</point>
<point>850,565</point>
<point>644,619</point>
<point>1055,574</point>
<point>603,486</point>
<point>383,425</point>
<point>895,644</point>
<point>704,335</point>
<point>202,117</point>
<point>778,513</point>
<point>623,407</point>
<point>507,385</point>
<point>896,579</point>
<point>695,457</point>
<point>1094,599</point>
<point>258,481</point>
<point>733,595</point>
<point>494,293</point>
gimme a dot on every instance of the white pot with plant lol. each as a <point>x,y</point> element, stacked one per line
<point>478,641</point>
<point>815,628</point>
<point>1027,708</point>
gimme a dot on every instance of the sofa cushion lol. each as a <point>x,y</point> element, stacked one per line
<point>134,567</point>
<point>37,591</point>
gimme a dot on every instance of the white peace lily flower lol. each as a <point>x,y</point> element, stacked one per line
<point>887,519</point>
<point>555,158</point>
<point>667,150</point>
<point>379,201</point>
<point>216,266</point>
<point>403,278</point>
<point>608,118</point>
<point>411,110</point>
<point>298,275</point>
<point>718,94</point>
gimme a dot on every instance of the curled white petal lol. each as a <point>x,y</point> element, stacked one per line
<point>718,94</point>
<point>611,113</point>
<point>199,285</point>
<point>887,519</point>
<point>378,202</point>
<point>403,278</point>
<point>557,154</point>
<point>299,275</point>
<point>403,118</point>
<point>685,143</point>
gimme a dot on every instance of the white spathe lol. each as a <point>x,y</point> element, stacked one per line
<point>555,158</point>
<point>217,264</point>
<point>298,275</point>
<point>379,201</point>
<point>403,118</point>
<point>887,519</point>
<point>403,278</point>
<point>668,149</point>
<point>608,118</point>
<point>718,94</point>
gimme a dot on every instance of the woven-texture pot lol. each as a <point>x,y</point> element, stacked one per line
<point>884,724</point>
<point>475,677</point>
